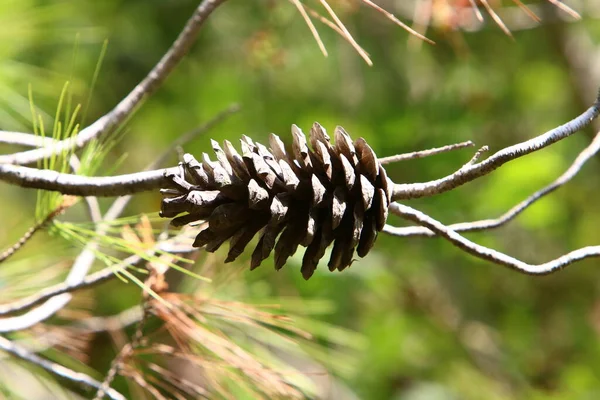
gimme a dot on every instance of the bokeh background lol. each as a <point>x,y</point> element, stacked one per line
<point>428,321</point>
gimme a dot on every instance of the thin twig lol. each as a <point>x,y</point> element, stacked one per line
<point>476,156</point>
<point>474,171</point>
<point>124,109</point>
<point>149,180</point>
<point>85,259</point>
<point>77,274</point>
<point>194,133</point>
<point>488,254</point>
<point>46,293</point>
<point>51,305</point>
<point>34,229</point>
<point>54,368</point>
<point>93,279</point>
<point>425,153</point>
<point>485,224</point>
<point>125,353</point>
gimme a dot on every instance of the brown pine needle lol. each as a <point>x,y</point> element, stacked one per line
<point>478,14</point>
<point>325,21</point>
<point>496,17</point>
<point>527,10</point>
<point>421,18</point>
<point>393,18</point>
<point>566,8</point>
<point>347,34</point>
<point>311,26</point>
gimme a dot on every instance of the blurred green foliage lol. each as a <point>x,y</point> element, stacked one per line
<point>438,323</point>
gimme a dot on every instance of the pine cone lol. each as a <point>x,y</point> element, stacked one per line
<point>332,193</point>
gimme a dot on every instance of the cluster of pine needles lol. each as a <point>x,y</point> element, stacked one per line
<point>335,23</point>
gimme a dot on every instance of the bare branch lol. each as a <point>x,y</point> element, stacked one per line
<point>77,185</point>
<point>78,271</point>
<point>28,139</point>
<point>54,368</point>
<point>99,186</point>
<point>50,293</point>
<point>488,254</point>
<point>470,172</point>
<point>425,153</point>
<point>25,139</point>
<point>480,225</point>
<point>124,109</point>
<point>46,293</point>
<point>59,295</point>
<point>76,275</point>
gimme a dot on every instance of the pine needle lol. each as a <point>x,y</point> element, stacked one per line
<point>478,13</point>
<point>565,8</point>
<point>324,20</point>
<point>395,20</point>
<point>311,26</point>
<point>496,18</point>
<point>346,33</point>
<point>94,79</point>
<point>527,10</point>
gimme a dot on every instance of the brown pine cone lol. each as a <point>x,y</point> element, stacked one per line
<point>331,194</point>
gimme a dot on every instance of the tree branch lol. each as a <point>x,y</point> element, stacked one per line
<point>145,88</point>
<point>473,171</point>
<point>488,254</point>
<point>77,185</point>
<point>64,287</point>
<point>56,369</point>
<point>28,139</point>
<point>90,280</point>
<point>480,225</point>
<point>425,153</point>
